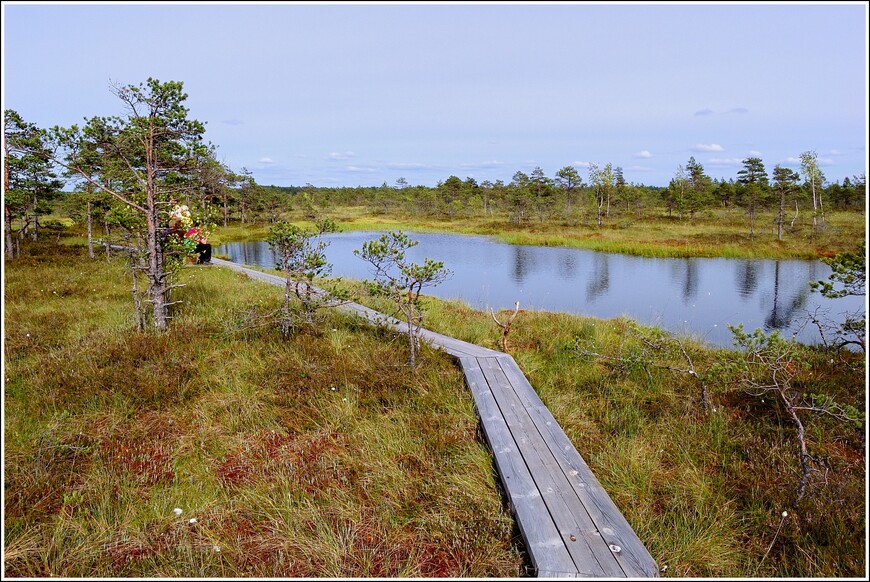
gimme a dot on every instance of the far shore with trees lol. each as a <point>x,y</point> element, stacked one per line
<point>776,212</point>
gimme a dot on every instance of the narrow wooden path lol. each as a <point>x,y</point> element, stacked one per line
<point>570,525</point>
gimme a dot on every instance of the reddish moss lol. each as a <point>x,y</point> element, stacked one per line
<point>141,451</point>
<point>314,460</point>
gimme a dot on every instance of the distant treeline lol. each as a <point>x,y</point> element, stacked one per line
<point>566,196</point>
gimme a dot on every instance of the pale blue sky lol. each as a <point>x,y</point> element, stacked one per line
<point>354,94</point>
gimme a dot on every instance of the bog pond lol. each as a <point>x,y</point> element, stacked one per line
<point>698,297</point>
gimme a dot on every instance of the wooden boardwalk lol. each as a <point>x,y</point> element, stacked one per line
<point>570,525</point>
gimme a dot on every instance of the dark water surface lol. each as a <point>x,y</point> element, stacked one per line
<point>697,297</point>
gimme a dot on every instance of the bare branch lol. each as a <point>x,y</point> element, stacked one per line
<point>93,182</point>
<point>506,327</point>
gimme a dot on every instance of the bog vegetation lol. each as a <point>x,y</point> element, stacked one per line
<point>170,421</point>
<point>321,454</point>
<point>219,449</point>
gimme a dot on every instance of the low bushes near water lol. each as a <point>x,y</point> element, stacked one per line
<point>218,450</point>
<point>713,233</point>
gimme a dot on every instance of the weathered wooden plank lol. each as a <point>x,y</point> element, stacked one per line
<point>254,274</point>
<point>633,556</point>
<point>553,574</point>
<point>543,541</point>
<point>448,342</point>
<point>451,345</point>
<point>583,540</point>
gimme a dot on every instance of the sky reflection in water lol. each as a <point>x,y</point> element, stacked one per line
<point>698,297</point>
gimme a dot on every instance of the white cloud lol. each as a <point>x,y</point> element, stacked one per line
<point>639,169</point>
<point>341,155</point>
<point>705,111</point>
<point>482,165</point>
<point>362,169</point>
<point>755,153</point>
<point>713,147</point>
<point>408,166</point>
<point>724,162</point>
<point>266,160</point>
<point>738,110</point>
<point>792,160</point>
<point>582,164</point>
<point>643,154</point>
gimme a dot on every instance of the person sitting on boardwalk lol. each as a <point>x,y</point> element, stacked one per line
<point>203,248</point>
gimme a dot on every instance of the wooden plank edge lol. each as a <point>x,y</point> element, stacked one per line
<point>542,539</point>
<point>580,534</point>
<point>633,555</point>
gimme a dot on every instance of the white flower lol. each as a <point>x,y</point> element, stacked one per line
<point>192,520</point>
<point>785,514</point>
<point>177,511</point>
<point>217,549</point>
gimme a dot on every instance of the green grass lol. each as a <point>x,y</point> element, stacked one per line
<point>238,233</point>
<point>713,233</point>
<point>316,456</point>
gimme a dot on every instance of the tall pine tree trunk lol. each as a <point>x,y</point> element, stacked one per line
<point>156,273</point>
<point>156,269</point>
<point>10,243</point>
<point>7,214</point>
